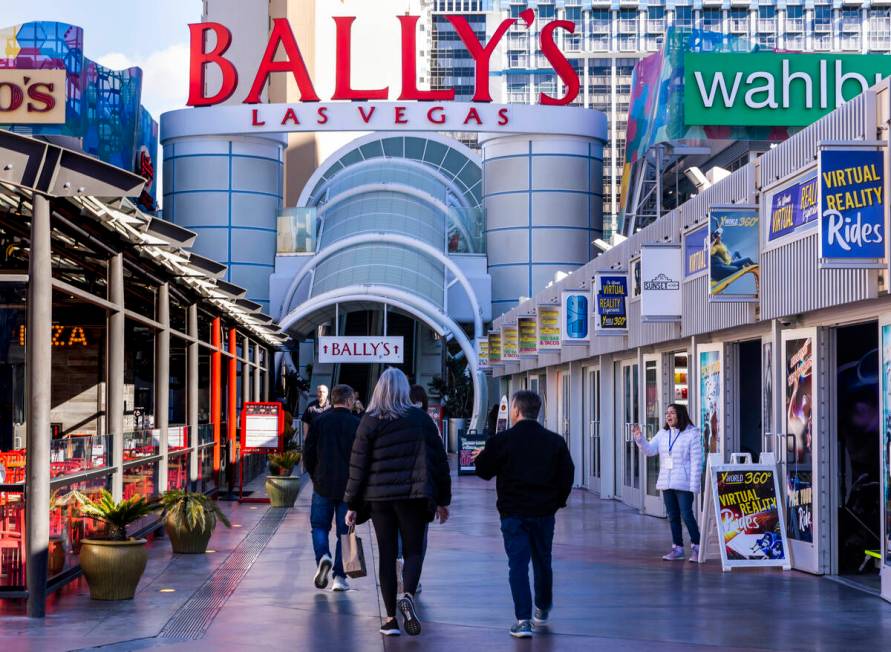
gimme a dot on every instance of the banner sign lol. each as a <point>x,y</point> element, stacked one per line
<point>734,248</point>
<point>852,207</point>
<point>799,438</point>
<point>711,399</point>
<point>494,347</point>
<point>528,340</point>
<point>483,353</point>
<point>574,316</point>
<point>548,328</point>
<point>33,95</point>
<point>792,207</point>
<point>749,515</point>
<point>340,349</point>
<point>611,301</point>
<point>661,271</point>
<point>262,428</point>
<point>510,346</point>
<point>695,258</point>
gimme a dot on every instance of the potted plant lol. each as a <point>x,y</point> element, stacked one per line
<point>189,520</point>
<point>456,389</point>
<point>282,487</point>
<point>114,565</point>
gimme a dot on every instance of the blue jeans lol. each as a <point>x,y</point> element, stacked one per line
<point>320,515</point>
<point>679,504</point>
<point>529,538</point>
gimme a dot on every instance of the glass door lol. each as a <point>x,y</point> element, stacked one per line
<point>629,409</point>
<point>591,381</point>
<point>800,463</point>
<point>653,411</point>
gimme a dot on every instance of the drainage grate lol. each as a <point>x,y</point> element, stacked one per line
<point>196,615</point>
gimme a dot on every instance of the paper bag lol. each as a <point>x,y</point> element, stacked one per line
<point>353,554</point>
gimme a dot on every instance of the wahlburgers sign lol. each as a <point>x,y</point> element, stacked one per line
<point>774,89</point>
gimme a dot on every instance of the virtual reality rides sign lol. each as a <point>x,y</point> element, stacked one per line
<point>282,39</point>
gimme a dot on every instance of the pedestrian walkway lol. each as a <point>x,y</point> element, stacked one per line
<point>612,593</point>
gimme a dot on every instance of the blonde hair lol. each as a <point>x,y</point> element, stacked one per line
<point>390,399</point>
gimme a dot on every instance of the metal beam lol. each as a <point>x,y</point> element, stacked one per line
<point>192,348</point>
<point>115,372</point>
<point>162,380</point>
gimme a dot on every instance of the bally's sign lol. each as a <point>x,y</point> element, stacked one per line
<point>774,89</point>
<point>334,349</point>
<point>32,96</point>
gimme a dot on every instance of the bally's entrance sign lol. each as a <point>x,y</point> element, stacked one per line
<point>336,349</point>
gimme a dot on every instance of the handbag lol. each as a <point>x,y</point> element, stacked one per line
<point>353,554</point>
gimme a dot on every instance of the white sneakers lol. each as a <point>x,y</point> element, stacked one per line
<point>676,554</point>
<point>694,553</point>
<point>340,584</point>
<point>321,578</point>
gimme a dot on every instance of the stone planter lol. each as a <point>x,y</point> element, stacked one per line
<point>186,541</point>
<point>282,490</point>
<point>113,568</point>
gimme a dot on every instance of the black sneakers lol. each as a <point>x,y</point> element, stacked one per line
<point>412,625</point>
<point>390,628</point>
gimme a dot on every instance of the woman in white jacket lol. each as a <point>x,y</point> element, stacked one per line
<point>679,445</point>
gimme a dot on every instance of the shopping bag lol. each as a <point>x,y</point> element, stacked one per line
<point>353,554</point>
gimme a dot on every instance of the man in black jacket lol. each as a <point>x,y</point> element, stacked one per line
<point>326,455</point>
<point>535,474</point>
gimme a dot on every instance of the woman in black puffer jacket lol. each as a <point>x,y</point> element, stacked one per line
<point>399,470</point>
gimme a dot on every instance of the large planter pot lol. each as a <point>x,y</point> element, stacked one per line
<point>282,490</point>
<point>113,568</point>
<point>186,541</point>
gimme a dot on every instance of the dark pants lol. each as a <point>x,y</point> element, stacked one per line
<point>320,515</point>
<point>529,538</point>
<point>391,519</point>
<point>678,505</point>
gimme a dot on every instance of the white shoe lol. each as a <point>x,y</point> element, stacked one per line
<point>694,553</point>
<point>321,578</point>
<point>676,554</point>
<point>340,584</point>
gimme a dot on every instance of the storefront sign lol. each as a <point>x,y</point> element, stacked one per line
<point>852,207</point>
<point>661,271</point>
<point>527,337</point>
<point>262,428</point>
<point>774,89</point>
<point>494,347</point>
<point>483,353</point>
<point>341,349</point>
<point>611,303</point>
<point>792,207</point>
<point>510,345</point>
<point>32,96</point>
<point>711,398</point>
<point>696,251</point>
<point>574,317</point>
<point>548,328</point>
<point>749,515</point>
<point>63,336</point>
<point>799,438</point>
<point>734,254</point>
<point>209,42</point>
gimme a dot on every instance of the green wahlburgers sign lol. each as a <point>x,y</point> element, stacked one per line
<point>774,89</point>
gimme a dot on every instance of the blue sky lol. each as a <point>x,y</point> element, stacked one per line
<point>151,34</point>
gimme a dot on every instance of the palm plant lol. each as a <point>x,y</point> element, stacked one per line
<point>115,515</point>
<point>283,463</point>
<point>194,509</point>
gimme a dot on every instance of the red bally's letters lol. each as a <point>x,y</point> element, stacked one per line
<point>281,38</point>
<point>357,349</point>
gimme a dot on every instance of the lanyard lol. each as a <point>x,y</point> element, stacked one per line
<point>672,443</point>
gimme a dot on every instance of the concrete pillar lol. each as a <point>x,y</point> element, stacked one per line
<point>192,390</point>
<point>39,388</point>
<point>115,378</point>
<point>162,380</point>
<point>258,394</point>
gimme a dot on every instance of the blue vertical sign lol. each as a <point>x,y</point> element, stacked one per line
<point>852,208</point>
<point>575,317</point>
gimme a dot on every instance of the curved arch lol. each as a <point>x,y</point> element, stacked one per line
<point>392,238</point>
<point>419,308</point>
<point>326,165</point>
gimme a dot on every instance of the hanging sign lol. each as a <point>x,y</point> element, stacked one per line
<point>510,347</point>
<point>852,207</point>
<point>494,347</point>
<point>611,303</point>
<point>574,316</point>
<point>733,266</point>
<point>339,349</point>
<point>528,341</point>
<point>661,271</point>
<point>792,207</point>
<point>548,328</point>
<point>483,353</point>
<point>696,251</point>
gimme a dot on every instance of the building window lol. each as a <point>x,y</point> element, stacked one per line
<point>600,21</point>
<point>880,29</point>
<point>711,20</point>
<point>599,43</point>
<point>628,21</point>
<point>739,21</point>
<point>851,20</point>
<point>546,11</point>
<point>767,20</point>
<point>683,17</point>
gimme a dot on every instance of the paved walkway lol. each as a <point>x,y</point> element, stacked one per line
<point>612,593</point>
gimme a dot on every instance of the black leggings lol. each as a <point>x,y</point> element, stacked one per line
<point>408,518</point>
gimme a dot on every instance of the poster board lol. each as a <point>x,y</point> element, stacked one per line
<point>734,253</point>
<point>510,344</point>
<point>661,272</point>
<point>611,303</point>
<point>574,321</point>
<point>262,428</point>
<point>528,337</point>
<point>548,328</point>
<point>748,510</point>
<point>469,441</point>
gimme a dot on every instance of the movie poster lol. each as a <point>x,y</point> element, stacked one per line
<point>886,432</point>
<point>799,438</point>
<point>734,254</point>
<point>711,413</point>
<point>748,514</point>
